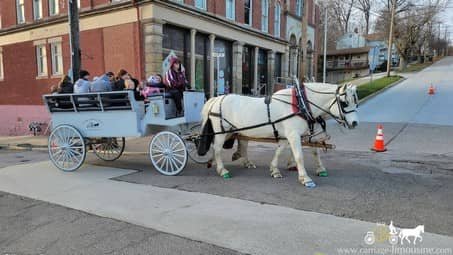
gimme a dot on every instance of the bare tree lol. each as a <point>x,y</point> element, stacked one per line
<point>411,21</point>
<point>365,7</point>
<point>343,10</point>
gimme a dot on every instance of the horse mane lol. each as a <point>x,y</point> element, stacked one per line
<point>314,87</point>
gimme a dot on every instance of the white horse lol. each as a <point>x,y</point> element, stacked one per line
<point>232,112</point>
<point>415,232</point>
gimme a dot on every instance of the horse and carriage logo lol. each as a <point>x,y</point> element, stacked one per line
<point>394,235</point>
<point>92,124</point>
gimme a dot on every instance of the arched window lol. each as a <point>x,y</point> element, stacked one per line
<point>265,15</point>
<point>277,22</point>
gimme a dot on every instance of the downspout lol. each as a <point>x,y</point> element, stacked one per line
<point>140,41</point>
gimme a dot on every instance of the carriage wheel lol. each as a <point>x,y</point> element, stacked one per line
<point>168,153</point>
<point>192,147</point>
<point>110,149</point>
<point>67,149</point>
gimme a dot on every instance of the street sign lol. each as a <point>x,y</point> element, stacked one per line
<point>374,58</point>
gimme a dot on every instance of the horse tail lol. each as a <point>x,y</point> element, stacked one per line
<point>207,131</point>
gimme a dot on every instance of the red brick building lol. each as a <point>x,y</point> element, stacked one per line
<point>252,38</point>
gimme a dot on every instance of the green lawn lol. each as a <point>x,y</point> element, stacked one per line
<point>369,88</point>
<point>416,67</point>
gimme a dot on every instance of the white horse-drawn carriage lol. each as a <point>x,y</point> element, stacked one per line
<point>101,121</point>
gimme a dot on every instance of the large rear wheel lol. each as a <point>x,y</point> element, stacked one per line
<point>67,149</point>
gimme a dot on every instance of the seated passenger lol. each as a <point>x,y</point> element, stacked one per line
<point>175,79</point>
<point>153,85</point>
<point>82,85</point>
<point>119,81</point>
<point>101,84</point>
<point>65,86</point>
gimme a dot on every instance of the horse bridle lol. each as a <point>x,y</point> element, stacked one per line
<point>341,119</point>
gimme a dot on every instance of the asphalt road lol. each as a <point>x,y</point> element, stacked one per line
<point>29,226</point>
<point>410,184</point>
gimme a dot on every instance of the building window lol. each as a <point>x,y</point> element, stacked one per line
<point>176,41</point>
<point>223,66</point>
<point>54,8</point>
<point>278,65</point>
<point>277,13</point>
<point>201,4</point>
<point>201,63</point>
<point>1,65</point>
<point>299,7</point>
<point>264,15</point>
<point>248,12</point>
<point>37,9</point>
<point>247,69</point>
<point>20,11</point>
<point>57,58</point>
<point>179,1</point>
<point>230,9</point>
<point>41,60</point>
<point>262,72</point>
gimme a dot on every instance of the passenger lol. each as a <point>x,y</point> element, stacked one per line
<point>175,79</point>
<point>119,81</point>
<point>153,85</point>
<point>111,77</point>
<point>137,88</point>
<point>53,89</point>
<point>65,86</point>
<point>82,85</point>
<point>102,84</point>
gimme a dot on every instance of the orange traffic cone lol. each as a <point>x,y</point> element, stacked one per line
<point>431,90</point>
<point>379,145</point>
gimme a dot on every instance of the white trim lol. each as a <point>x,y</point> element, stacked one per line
<point>37,10</point>
<point>39,42</point>
<point>2,72</point>
<point>57,7</point>
<point>265,15</point>
<point>233,3</point>
<point>54,40</point>
<point>56,56</point>
<point>41,60</point>
<point>277,27</point>
<point>21,19</point>
<point>203,5</point>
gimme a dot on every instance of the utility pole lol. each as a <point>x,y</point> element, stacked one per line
<point>324,68</point>
<point>74,40</point>
<point>303,43</point>
<point>390,46</point>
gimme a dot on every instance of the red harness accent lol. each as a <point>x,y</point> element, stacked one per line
<point>294,103</point>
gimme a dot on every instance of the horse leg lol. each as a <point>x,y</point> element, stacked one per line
<point>218,146</point>
<point>291,165</point>
<point>320,169</point>
<point>295,143</point>
<point>243,145</point>
<point>238,153</point>
<point>275,172</point>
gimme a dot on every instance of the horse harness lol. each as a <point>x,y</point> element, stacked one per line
<point>304,112</point>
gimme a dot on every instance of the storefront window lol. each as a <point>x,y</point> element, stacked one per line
<point>278,65</point>
<point>247,70</point>
<point>201,63</point>
<point>177,40</point>
<point>222,66</point>
<point>262,71</point>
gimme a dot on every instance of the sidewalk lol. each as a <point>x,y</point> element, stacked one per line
<point>244,226</point>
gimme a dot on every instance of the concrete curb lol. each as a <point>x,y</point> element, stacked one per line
<point>363,100</point>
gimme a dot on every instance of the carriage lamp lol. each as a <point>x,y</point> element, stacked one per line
<point>155,108</point>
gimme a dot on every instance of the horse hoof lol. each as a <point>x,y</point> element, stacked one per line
<point>310,184</point>
<point>226,176</point>
<point>249,164</point>
<point>292,169</point>
<point>276,175</point>
<point>323,174</point>
<point>236,156</point>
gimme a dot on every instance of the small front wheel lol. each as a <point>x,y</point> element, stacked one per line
<point>168,153</point>
<point>110,148</point>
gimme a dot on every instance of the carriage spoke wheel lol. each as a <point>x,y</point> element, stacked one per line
<point>67,149</point>
<point>168,153</point>
<point>109,149</point>
<point>192,146</point>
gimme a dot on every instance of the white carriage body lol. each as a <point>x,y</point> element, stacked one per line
<point>118,114</point>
